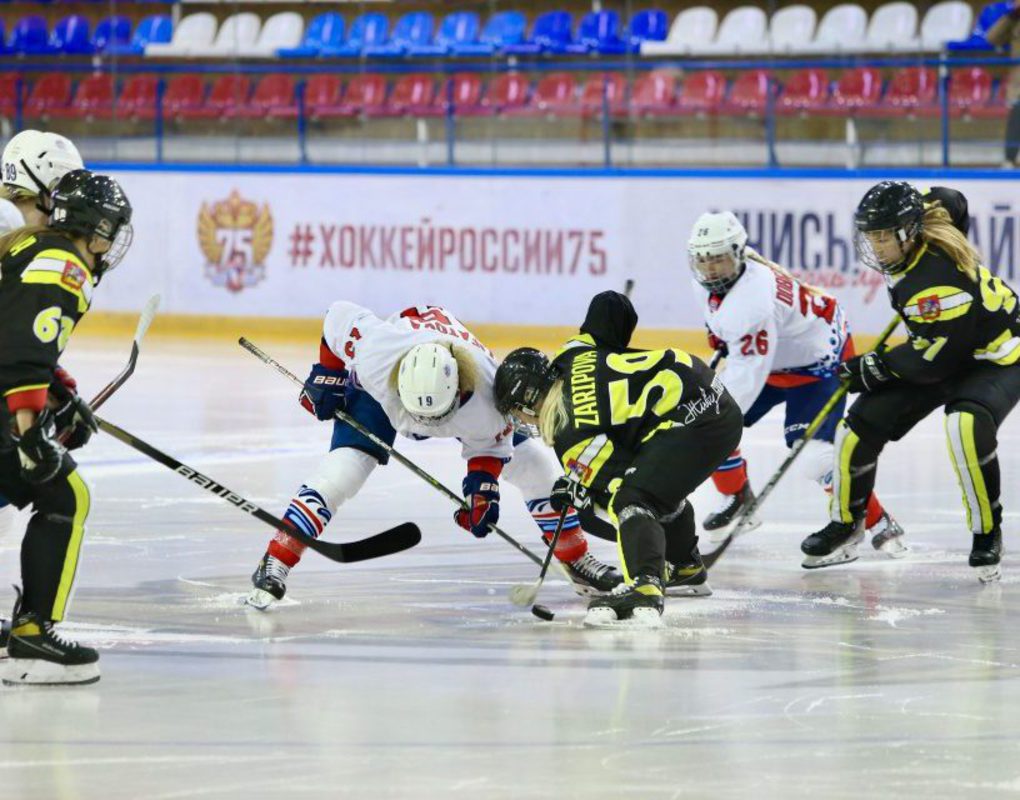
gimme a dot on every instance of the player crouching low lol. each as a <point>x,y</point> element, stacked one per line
<point>637,432</point>
<point>423,374</point>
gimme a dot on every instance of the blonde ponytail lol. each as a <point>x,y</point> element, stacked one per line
<point>553,415</point>
<point>11,238</point>
<point>938,230</point>
<point>754,255</point>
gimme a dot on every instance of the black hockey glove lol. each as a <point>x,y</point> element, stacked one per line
<point>40,453</point>
<point>73,418</point>
<point>865,373</point>
<point>569,491</point>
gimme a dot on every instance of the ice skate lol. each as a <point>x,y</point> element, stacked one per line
<point>985,555</point>
<point>269,583</point>
<point>835,544</point>
<point>637,605</point>
<point>39,656</point>
<point>687,579</point>
<point>5,636</point>
<point>591,577</point>
<point>720,523</point>
<point>887,537</point>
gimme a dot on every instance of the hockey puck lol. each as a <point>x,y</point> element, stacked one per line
<point>542,612</point>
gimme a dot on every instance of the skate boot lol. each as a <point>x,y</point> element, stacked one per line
<point>688,578</point>
<point>637,605</point>
<point>985,554</point>
<point>887,536</point>
<point>5,636</point>
<point>269,582</point>
<point>836,543</point>
<point>39,656</point>
<point>720,522</point>
<point>590,577</point>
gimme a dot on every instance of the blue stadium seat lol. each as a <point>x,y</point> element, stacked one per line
<point>502,29</point>
<point>110,32</point>
<point>29,36</point>
<point>413,29</point>
<point>324,31</point>
<point>460,27</point>
<point>977,42</point>
<point>368,29</point>
<point>599,32</point>
<point>551,34</point>
<point>70,35</point>
<point>650,25</point>
<point>154,29</point>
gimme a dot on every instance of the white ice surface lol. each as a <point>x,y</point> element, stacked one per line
<point>414,677</point>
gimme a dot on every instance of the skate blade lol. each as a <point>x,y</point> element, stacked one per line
<point>989,574</point>
<point>894,547</point>
<point>36,672</point>
<point>719,535</point>
<point>702,590</point>
<point>3,653</point>
<point>640,619</point>
<point>260,599</point>
<point>842,556</point>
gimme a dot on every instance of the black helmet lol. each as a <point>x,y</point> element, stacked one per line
<point>86,204</point>
<point>893,206</point>
<point>522,380</point>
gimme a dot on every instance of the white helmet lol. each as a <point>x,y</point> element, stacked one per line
<point>716,250</point>
<point>428,383</point>
<point>33,162</point>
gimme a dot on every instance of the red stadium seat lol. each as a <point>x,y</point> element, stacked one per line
<point>51,93</point>
<point>857,89</point>
<point>913,90</point>
<point>273,98</point>
<point>749,94</point>
<point>506,92</point>
<point>597,90</point>
<point>702,93</point>
<point>411,94</point>
<point>93,98</point>
<point>184,94</point>
<point>555,94</point>
<point>970,89</point>
<point>463,89</point>
<point>654,93</point>
<point>138,97</point>
<point>227,93</point>
<point>364,94</point>
<point>9,93</point>
<point>806,91</point>
<point>996,108</point>
<point>322,93</point>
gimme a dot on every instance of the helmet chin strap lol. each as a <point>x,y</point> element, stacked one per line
<point>43,190</point>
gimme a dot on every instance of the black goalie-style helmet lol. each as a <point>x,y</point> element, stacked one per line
<point>522,380</point>
<point>893,206</point>
<point>87,204</point>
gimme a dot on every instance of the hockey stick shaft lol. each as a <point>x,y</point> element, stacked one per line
<point>391,541</point>
<point>798,446</point>
<point>265,358</point>
<point>144,321</point>
<point>523,594</point>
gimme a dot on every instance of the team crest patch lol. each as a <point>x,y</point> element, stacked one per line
<point>929,308</point>
<point>582,471</point>
<point>74,277</point>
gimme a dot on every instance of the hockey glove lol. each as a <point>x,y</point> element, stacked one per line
<point>73,418</point>
<point>325,392</point>
<point>865,373</point>
<point>481,494</point>
<point>569,491</point>
<point>40,453</point>
<point>717,344</point>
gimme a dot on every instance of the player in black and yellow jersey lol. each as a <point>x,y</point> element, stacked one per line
<point>636,431</point>
<point>47,277</point>
<point>963,353</point>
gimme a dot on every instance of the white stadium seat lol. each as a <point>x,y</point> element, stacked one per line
<point>692,26</point>
<point>891,25</point>
<point>283,30</point>
<point>237,33</point>
<point>193,30</point>
<point>789,28</point>
<point>947,21</point>
<point>841,30</point>
<point>742,30</point>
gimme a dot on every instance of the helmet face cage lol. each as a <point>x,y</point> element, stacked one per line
<point>432,422</point>
<point>118,248</point>
<point>888,219</point>
<point>95,207</point>
<point>522,381</point>
<point>718,271</point>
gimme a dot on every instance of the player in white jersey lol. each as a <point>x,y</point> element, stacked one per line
<point>422,374</point>
<point>783,342</point>
<point>32,163</point>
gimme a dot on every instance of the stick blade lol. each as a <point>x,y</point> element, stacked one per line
<point>395,540</point>
<point>523,594</point>
<point>148,314</point>
<point>709,559</point>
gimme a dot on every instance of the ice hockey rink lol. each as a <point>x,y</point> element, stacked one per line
<point>415,677</point>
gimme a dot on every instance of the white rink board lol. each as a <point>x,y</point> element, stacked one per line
<point>495,248</point>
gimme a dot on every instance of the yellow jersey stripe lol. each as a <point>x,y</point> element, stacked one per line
<point>70,569</point>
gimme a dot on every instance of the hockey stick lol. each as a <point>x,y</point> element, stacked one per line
<point>144,321</point>
<point>265,358</point>
<point>747,515</point>
<point>524,594</point>
<point>394,540</point>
